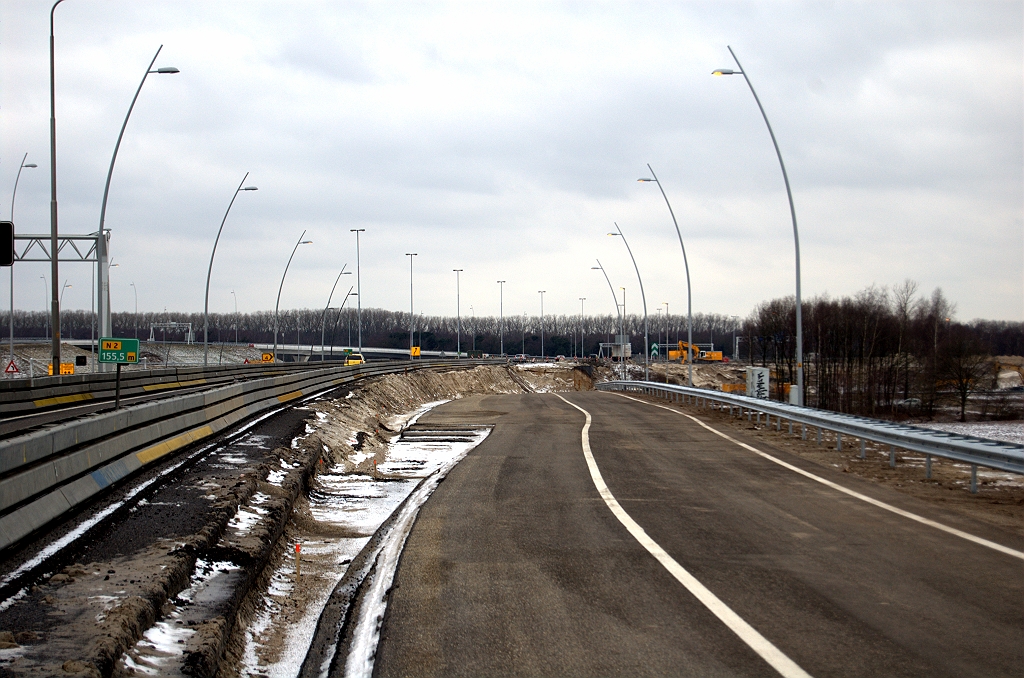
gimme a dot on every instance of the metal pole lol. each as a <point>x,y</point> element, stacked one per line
<point>277,304</point>
<point>796,239</point>
<point>14,195</point>
<point>643,296</point>
<point>323,320</point>
<point>359,292</point>
<point>412,316</point>
<point>136,323</point>
<point>338,319</point>
<point>458,315</point>
<point>54,273</point>
<point>234,297</point>
<point>582,299</point>
<point>209,270</point>
<point>501,315</point>
<point>689,296</point>
<point>541,292</point>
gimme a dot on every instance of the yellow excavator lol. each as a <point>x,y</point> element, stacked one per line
<point>695,353</point>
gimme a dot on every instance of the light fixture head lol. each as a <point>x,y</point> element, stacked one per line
<point>646,179</point>
<point>725,71</point>
<point>250,188</point>
<point>306,242</point>
<point>31,164</point>
<point>165,70</point>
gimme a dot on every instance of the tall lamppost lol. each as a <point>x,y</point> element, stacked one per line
<point>209,270</point>
<point>473,314</point>
<point>234,297</point>
<point>735,346</point>
<point>796,234</point>
<point>501,315</point>
<point>643,296</point>
<point>323,318</point>
<point>458,315</point>
<point>412,317</point>
<point>686,265</point>
<point>14,194</point>
<point>359,293</point>
<point>659,323</point>
<point>582,299</point>
<point>46,294</point>
<point>668,321</point>
<point>136,323</point>
<point>62,288</point>
<point>541,293</point>
<point>103,288</point>
<point>277,304</point>
<point>54,302</point>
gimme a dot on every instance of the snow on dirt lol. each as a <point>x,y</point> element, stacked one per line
<point>1006,431</point>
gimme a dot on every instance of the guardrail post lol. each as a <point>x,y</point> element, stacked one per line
<point>974,479</point>
<point>803,432</point>
<point>863,449</point>
<point>778,423</point>
<point>839,442</point>
<point>928,467</point>
<point>892,457</point>
<point>819,435</point>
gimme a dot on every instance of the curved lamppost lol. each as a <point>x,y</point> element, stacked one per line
<point>341,308</point>
<point>323,318</point>
<point>582,299</point>
<point>209,270</point>
<point>541,293</point>
<point>14,194</point>
<point>458,315</point>
<point>103,287</point>
<point>686,265</point>
<point>501,315</point>
<point>280,287</point>
<point>643,296</point>
<point>796,234</point>
<point>412,316</point>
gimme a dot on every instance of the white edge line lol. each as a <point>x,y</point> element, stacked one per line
<point>863,497</point>
<point>747,633</point>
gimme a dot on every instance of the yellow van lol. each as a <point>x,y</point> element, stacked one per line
<point>354,359</point>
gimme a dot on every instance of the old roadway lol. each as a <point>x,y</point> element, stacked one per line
<point>701,558</point>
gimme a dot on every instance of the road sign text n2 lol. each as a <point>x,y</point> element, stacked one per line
<point>123,351</point>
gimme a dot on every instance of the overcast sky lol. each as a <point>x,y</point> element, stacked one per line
<point>506,138</point>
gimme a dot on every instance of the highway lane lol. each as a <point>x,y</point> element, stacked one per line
<point>517,565</point>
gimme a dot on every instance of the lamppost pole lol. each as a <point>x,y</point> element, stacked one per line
<point>501,315</point>
<point>458,315</point>
<point>796,233</point>
<point>54,301</point>
<point>209,270</point>
<point>541,292</point>
<point>234,297</point>
<point>280,287</point>
<point>14,194</point>
<point>103,287</point>
<point>686,265</point>
<point>643,296</point>
<point>136,323</point>
<point>323,319</point>
<point>46,295</point>
<point>582,299</point>
<point>473,314</point>
<point>412,316</point>
<point>359,293</point>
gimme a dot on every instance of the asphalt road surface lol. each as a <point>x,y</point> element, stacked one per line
<point>720,562</point>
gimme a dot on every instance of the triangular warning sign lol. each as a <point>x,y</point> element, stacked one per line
<point>11,368</point>
<point>246,362</point>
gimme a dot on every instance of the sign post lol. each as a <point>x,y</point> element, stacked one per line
<point>121,352</point>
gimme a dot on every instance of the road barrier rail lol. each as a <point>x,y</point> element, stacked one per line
<point>32,395</point>
<point>929,442</point>
<point>48,472</point>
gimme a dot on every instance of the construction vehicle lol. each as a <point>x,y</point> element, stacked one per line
<point>698,353</point>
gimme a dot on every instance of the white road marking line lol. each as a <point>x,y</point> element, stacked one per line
<point>874,502</point>
<point>747,633</point>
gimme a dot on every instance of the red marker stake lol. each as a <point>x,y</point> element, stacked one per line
<point>298,554</point>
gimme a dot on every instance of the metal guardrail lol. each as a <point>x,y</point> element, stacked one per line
<point>46,473</point>
<point>967,449</point>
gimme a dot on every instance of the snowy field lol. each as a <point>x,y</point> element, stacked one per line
<point>1006,431</point>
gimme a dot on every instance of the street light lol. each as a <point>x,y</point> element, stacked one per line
<point>686,265</point>
<point>209,270</point>
<point>412,317</point>
<point>458,315</point>
<point>582,299</point>
<point>323,319</point>
<point>63,287</point>
<point>54,301</point>
<point>277,304</point>
<point>359,294</point>
<point>136,291</point>
<point>541,292</point>
<point>667,322</point>
<point>473,314</point>
<point>234,298</point>
<point>341,308</point>
<point>46,295</point>
<point>14,194</point>
<point>618,310</point>
<point>103,290</point>
<point>501,315</point>
<point>643,296</point>
<point>796,234</point>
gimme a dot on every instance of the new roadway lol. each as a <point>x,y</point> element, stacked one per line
<point>593,534</point>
